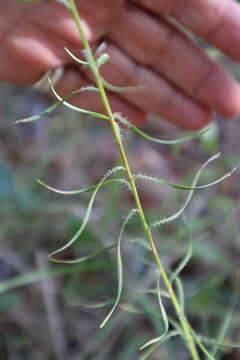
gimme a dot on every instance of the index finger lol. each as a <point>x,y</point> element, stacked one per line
<point>214,20</point>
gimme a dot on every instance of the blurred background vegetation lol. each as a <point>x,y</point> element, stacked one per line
<point>47,310</point>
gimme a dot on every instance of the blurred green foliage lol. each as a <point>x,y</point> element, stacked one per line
<point>34,222</point>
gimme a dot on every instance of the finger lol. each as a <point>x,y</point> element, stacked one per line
<point>95,23</point>
<point>21,63</point>
<point>73,79</point>
<point>100,15</point>
<point>216,21</point>
<point>158,96</point>
<point>43,17</point>
<point>31,42</point>
<point>164,48</point>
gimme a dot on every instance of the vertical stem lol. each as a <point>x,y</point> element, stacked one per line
<point>183,321</point>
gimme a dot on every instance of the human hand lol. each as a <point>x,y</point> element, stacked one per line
<point>191,87</point>
<point>33,37</point>
<point>182,83</point>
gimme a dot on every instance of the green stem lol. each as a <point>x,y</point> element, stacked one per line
<point>184,323</point>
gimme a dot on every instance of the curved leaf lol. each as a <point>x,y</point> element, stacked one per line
<point>164,318</point>
<point>81,191</point>
<point>75,58</point>
<point>53,107</point>
<point>127,123</point>
<point>88,212</point>
<point>129,296</point>
<point>185,187</point>
<point>153,348</point>
<point>226,322</point>
<point>121,89</point>
<point>188,255</point>
<point>189,197</point>
<point>118,89</point>
<point>119,266</point>
<point>85,257</point>
<point>77,109</point>
<point>102,59</point>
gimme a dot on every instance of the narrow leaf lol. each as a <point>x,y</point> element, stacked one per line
<point>35,276</point>
<point>77,109</point>
<point>185,187</point>
<point>192,136</point>
<point>130,296</point>
<point>53,107</point>
<point>153,348</point>
<point>164,318</point>
<point>121,89</point>
<point>215,342</point>
<point>189,197</point>
<point>200,344</point>
<point>75,58</point>
<point>202,347</point>
<point>226,323</point>
<point>188,255</point>
<point>81,191</point>
<point>119,267</point>
<point>107,85</point>
<point>84,258</point>
<point>88,212</point>
<point>180,292</point>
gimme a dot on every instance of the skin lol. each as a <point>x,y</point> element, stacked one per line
<point>146,45</point>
